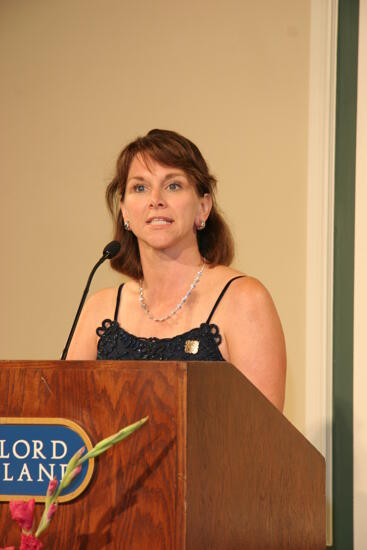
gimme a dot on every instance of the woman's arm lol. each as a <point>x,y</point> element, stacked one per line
<point>255,339</point>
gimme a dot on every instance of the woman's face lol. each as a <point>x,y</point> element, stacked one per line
<point>162,205</point>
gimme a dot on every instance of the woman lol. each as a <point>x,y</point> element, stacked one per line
<point>183,300</point>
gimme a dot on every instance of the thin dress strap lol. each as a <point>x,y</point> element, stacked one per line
<point>118,302</point>
<point>221,296</point>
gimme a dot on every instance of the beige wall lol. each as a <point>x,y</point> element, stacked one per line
<point>80,78</point>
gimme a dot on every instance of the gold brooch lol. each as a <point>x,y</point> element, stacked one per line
<point>192,346</point>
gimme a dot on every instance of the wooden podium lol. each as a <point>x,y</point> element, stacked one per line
<point>216,467</point>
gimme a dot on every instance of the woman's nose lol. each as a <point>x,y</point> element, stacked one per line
<point>156,199</point>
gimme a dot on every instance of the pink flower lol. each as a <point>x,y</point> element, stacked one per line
<point>30,542</point>
<point>52,486</point>
<point>80,452</point>
<point>22,513</point>
<point>51,511</point>
<point>76,471</point>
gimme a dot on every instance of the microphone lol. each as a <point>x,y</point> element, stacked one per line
<point>109,251</point>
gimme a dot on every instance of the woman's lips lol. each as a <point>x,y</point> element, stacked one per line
<point>159,221</point>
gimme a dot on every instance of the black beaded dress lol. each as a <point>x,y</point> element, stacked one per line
<point>198,344</point>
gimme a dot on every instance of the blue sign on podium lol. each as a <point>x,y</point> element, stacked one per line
<point>35,450</point>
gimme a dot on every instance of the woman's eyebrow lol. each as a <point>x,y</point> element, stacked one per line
<point>135,178</point>
<point>167,176</point>
<point>174,175</point>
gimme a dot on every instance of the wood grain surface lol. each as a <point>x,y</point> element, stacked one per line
<point>134,499</point>
<point>216,467</point>
<point>254,481</point>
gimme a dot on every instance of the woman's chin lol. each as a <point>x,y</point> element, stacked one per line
<point>162,242</point>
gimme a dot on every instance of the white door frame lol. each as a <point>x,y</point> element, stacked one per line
<point>320,231</point>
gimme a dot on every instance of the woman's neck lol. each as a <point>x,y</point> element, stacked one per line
<point>167,275</point>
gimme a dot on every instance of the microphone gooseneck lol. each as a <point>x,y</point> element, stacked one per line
<point>109,251</point>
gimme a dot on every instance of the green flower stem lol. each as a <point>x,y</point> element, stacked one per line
<point>77,460</point>
<point>105,444</point>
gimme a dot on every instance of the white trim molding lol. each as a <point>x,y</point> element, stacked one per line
<point>320,232</point>
<point>360,296</point>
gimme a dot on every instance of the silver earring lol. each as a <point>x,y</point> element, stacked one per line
<point>202,225</point>
<point>127,225</point>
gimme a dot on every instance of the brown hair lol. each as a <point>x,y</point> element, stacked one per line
<point>170,149</point>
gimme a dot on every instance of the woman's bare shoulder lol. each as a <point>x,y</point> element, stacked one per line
<point>103,295</point>
<point>244,285</point>
<point>101,305</point>
<point>220,274</point>
<point>250,292</point>
<point>249,302</point>
<point>255,337</point>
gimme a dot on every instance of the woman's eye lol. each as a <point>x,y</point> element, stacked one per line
<point>139,188</point>
<point>174,186</point>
